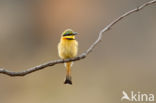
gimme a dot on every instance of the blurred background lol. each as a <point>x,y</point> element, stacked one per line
<point>125,59</point>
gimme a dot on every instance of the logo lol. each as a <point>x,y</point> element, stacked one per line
<point>137,96</point>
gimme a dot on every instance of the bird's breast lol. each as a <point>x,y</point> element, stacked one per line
<point>67,48</point>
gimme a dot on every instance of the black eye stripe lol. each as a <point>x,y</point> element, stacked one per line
<point>67,34</point>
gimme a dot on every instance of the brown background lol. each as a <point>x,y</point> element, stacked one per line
<point>124,60</point>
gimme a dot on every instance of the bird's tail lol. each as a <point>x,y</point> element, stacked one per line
<point>68,74</point>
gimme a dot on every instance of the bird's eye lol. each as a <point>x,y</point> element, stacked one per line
<point>68,34</point>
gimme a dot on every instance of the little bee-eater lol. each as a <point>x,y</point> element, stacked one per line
<point>68,48</point>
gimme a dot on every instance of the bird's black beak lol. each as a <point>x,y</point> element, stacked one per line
<point>75,33</point>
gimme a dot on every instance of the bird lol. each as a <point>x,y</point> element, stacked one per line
<point>68,48</point>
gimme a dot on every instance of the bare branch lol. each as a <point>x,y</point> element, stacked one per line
<point>83,55</point>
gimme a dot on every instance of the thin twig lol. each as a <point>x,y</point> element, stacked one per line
<point>83,55</point>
